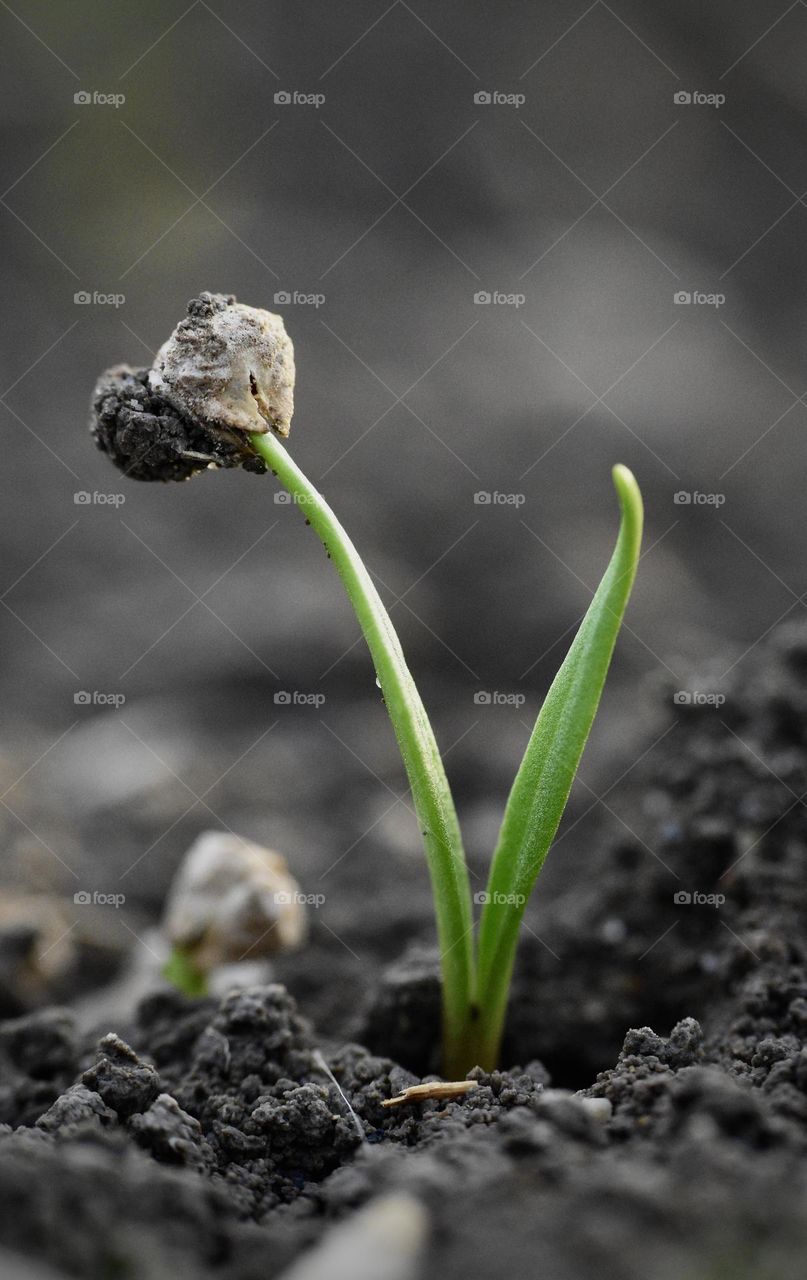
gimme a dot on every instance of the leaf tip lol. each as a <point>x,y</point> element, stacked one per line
<point>630,498</point>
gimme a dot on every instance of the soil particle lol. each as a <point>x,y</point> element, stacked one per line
<point>78,1105</point>
<point>148,439</point>
<point>403,1013</point>
<point>125,1084</point>
<point>171,1135</point>
<point>38,1060</point>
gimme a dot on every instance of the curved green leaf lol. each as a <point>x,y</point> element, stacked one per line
<point>430,790</point>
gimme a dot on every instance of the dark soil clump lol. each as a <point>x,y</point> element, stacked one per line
<point>656,1125</point>
<point>145,437</point>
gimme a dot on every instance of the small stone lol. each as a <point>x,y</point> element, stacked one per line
<point>233,900</point>
<point>599,1109</point>
<point>383,1241</point>
<point>568,1112</point>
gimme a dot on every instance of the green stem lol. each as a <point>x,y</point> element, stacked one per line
<point>430,791</point>
<point>183,974</point>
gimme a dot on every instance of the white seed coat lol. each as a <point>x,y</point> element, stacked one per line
<point>232,369</point>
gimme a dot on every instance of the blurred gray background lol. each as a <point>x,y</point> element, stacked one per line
<point>573,162</point>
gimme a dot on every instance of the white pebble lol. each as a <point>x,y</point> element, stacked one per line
<point>233,900</point>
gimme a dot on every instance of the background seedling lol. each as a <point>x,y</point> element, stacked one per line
<point>259,363</point>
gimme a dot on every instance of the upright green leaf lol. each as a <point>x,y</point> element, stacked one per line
<point>541,789</point>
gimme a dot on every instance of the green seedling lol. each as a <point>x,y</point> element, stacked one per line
<point>476,979</point>
<point>476,971</point>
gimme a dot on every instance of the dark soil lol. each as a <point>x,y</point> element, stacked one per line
<point>207,1139</point>
<point>148,439</point>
